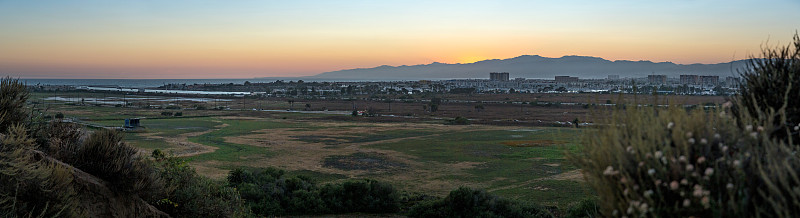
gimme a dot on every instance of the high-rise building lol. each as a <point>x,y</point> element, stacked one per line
<point>732,81</point>
<point>690,79</point>
<point>494,76</point>
<point>566,79</point>
<point>709,80</point>
<point>657,79</point>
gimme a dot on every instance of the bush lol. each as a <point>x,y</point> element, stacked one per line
<point>771,83</point>
<point>166,113</point>
<point>459,121</point>
<point>187,194</point>
<point>586,208</point>
<point>669,162</point>
<point>768,100</point>
<point>104,155</point>
<point>268,192</point>
<point>28,186</point>
<point>647,161</point>
<point>13,95</point>
<point>59,115</point>
<point>467,202</point>
<point>361,196</point>
<point>178,114</point>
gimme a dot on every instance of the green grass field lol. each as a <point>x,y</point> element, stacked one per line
<point>516,162</point>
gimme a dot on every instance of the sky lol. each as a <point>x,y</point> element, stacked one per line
<point>177,39</point>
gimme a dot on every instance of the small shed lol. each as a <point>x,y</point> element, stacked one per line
<point>132,123</point>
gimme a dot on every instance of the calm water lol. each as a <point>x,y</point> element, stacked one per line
<point>149,83</point>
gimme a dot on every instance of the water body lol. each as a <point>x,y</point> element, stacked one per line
<point>152,83</point>
<point>168,91</point>
<point>117,100</point>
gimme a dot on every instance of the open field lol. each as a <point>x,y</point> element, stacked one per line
<point>416,153</point>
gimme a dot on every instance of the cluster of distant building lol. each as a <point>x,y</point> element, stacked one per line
<point>498,82</point>
<point>692,79</point>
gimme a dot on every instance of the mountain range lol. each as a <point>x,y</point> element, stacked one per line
<point>538,67</point>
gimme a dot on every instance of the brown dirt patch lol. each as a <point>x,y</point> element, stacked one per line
<point>574,175</point>
<point>209,169</point>
<point>532,143</point>
<point>372,162</point>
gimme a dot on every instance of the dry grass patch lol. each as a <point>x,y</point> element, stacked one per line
<point>532,143</point>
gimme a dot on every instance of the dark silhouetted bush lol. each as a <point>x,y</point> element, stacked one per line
<point>770,86</point>
<point>467,202</point>
<point>361,196</point>
<point>104,155</point>
<point>268,192</point>
<point>459,121</point>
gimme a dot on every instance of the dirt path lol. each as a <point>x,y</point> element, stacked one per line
<point>187,148</point>
<point>573,175</point>
<point>181,146</point>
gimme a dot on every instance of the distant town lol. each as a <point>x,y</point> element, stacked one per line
<point>497,82</point>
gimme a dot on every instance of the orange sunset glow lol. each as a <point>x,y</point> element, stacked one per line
<point>188,39</point>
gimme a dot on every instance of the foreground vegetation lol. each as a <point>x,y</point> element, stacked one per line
<point>47,163</point>
<point>739,160</point>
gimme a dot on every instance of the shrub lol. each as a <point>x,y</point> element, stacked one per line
<point>59,115</point>
<point>459,121</point>
<point>104,155</point>
<point>768,100</point>
<point>62,140</point>
<point>467,202</point>
<point>13,95</point>
<point>166,113</point>
<point>268,192</point>
<point>586,208</point>
<point>178,114</point>
<point>771,83</point>
<point>657,162</point>
<point>187,194</point>
<point>361,196</point>
<point>28,186</point>
<point>647,161</point>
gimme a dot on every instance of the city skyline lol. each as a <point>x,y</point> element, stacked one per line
<point>207,39</point>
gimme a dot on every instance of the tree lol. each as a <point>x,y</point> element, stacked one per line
<point>291,104</point>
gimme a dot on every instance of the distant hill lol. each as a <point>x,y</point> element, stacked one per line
<point>535,66</point>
